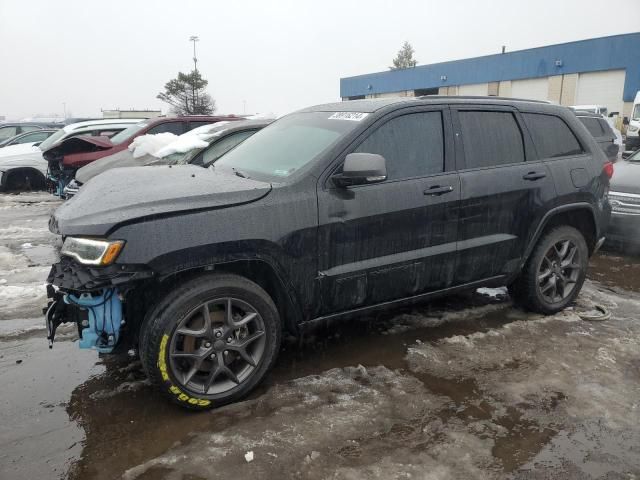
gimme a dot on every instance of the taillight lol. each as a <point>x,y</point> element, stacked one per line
<point>608,169</point>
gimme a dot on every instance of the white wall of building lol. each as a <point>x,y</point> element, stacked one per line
<point>601,88</point>
<point>474,89</point>
<point>531,88</point>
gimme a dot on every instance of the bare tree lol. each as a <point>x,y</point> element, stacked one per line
<point>187,95</point>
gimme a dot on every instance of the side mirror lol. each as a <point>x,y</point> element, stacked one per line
<point>35,144</point>
<point>360,169</point>
<point>625,121</point>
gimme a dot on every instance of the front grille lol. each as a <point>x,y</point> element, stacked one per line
<point>625,203</point>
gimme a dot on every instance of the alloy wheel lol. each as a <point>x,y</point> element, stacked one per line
<point>217,346</point>
<point>559,271</point>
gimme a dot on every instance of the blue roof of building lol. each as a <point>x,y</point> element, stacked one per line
<point>596,54</point>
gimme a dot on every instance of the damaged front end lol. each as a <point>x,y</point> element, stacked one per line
<point>92,297</point>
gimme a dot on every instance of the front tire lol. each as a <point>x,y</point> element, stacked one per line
<point>211,341</point>
<point>554,273</point>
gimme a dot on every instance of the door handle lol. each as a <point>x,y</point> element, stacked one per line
<point>534,176</point>
<point>438,190</point>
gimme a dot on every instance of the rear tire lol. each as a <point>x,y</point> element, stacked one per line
<point>210,341</point>
<point>554,273</point>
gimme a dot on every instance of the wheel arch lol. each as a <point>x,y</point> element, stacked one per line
<point>258,270</point>
<point>28,171</point>
<point>581,216</point>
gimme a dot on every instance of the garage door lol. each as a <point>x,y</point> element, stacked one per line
<point>601,88</point>
<point>532,88</point>
<point>475,89</point>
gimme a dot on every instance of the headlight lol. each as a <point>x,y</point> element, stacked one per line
<point>92,252</point>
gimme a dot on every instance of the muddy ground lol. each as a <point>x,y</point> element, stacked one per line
<point>468,387</point>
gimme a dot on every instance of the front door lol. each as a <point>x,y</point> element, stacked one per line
<point>504,190</point>
<point>397,238</point>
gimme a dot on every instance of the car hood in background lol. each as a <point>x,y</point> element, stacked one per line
<point>19,149</point>
<point>626,177</point>
<point>32,159</point>
<point>132,194</point>
<point>123,158</point>
<point>77,145</point>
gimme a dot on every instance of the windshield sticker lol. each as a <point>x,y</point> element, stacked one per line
<point>353,116</point>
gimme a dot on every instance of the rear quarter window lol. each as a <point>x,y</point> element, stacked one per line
<point>552,136</point>
<point>592,125</point>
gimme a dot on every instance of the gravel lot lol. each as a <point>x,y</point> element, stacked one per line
<point>468,387</point>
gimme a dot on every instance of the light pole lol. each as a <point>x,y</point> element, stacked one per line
<point>194,39</point>
<point>64,109</point>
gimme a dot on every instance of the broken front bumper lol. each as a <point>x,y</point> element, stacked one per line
<point>92,298</point>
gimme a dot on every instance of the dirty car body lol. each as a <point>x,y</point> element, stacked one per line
<point>329,212</point>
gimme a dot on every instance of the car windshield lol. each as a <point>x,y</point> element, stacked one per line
<point>52,140</point>
<point>288,144</point>
<point>128,132</point>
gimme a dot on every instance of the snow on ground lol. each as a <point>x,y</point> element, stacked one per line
<point>27,249</point>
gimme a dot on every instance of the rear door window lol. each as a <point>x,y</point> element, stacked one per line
<point>490,138</point>
<point>592,125</point>
<point>551,135</point>
<point>412,145</point>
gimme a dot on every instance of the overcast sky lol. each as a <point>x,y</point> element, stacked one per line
<point>272,56</point>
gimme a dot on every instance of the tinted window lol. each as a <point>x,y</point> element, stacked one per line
<point>33,137</point>
<point>193,124</point>
<point>219,148</point>
<point>606,128</point>
<point>28,128</point>
<point>171,127</point>
<point>592,125</point>
<point>490,138</point>
<point>552,136</point>
<point>411,144</point>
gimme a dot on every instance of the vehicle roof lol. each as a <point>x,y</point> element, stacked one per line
<point>196,118</point>
<point>372,105</point>
<point>111,121</point>
<point>583,113</point>
<point>22,124</point>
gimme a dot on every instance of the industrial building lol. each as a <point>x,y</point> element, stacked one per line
<point>600,71</point>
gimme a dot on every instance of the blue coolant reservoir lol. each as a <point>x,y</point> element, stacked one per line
<point>105,319</point>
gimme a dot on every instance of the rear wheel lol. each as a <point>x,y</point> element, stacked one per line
<point>211,341</point>
<point>554,273</point>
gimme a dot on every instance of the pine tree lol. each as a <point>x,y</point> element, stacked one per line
<point>404,59</point>
<point>187,95</point>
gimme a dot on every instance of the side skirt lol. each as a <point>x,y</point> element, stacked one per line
<point>401,302</point>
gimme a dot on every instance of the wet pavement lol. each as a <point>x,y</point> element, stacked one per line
<point>466,387</point>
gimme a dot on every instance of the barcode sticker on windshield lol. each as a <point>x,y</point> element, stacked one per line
<point>353,116</point>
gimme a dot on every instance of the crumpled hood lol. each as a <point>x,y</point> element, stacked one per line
<point>123,158</point>
<point>32,159</point>
<point>626,177</point>
<point>77,145</point>
<point>132,194</point>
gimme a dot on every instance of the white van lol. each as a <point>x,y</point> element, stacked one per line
<point>633,128</point>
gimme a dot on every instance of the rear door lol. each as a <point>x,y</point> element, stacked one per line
<point>397,238</point>
<point>504,190</point>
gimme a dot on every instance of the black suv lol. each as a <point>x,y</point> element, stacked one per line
<point>331,211</point>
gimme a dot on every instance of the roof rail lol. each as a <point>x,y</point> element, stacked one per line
<point>483,97</point>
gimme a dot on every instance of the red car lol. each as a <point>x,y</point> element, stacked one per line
<point>65,158</point>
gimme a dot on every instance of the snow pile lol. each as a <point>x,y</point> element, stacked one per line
<point>149,144</point>
<point>181,144</point>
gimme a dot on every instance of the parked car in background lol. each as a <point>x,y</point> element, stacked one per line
<point>65,158</point>
<point>21,169</point>
<point>632,139</point>
<point>331,211</point>
<point>202,146</point>
<point>624,197</point>
<point>29,138</point>
<point>8,130</point>
<point>601,130</point>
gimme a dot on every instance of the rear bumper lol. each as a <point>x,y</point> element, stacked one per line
<point>624,228</point>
